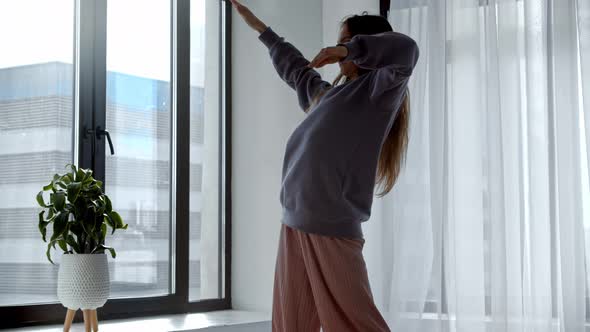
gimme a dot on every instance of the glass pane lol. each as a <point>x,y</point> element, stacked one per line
<point>204,179</point>
<point>36,117</point>
<point>138,117</point>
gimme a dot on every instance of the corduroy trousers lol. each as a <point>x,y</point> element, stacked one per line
<point>322,281</point>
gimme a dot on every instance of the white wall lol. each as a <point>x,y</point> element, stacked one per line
<point>264,113</point>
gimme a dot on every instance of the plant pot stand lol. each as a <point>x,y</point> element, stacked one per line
<point>90,320</point>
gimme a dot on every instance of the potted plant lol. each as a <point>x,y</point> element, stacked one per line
<point>80,214</point>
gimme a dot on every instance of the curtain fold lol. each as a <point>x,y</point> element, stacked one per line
<point>485,229</point>
<point>564,113</point>
<point>583,20</point>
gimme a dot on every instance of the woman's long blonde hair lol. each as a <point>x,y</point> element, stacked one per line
<point>394,148</point>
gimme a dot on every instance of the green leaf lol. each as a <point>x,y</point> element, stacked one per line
<point>88,226</point>
<point>72,174</point>
<point>110,222</point>
<point>62,244</point>
<point>94,235</point>
<point>67,178</point>
<point>52,219</point>
<point>48,187</point>
<point>94,204</point>
<point>59,225</point>
<point>100,205</point>
<point>72,243</point>
<point>82,174</point>
<point>59,200</point>
<point>110,249</point>
<point>40,200</point>
<point>87,180</point>
<point>43,226</point>
<point>108,204</point>
<point>103,232</point>
<point>82,223</point>
<point>117,219</point>
<point>43,233</point>
<point>74,191</point>
<point>48,252</point>
<point>77,230</point>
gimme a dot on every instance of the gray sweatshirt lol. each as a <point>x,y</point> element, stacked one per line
<point>330,162</point>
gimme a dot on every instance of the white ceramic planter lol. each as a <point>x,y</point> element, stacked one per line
<point>83,281</point>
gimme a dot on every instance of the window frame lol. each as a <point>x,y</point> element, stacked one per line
<point>90,94</point>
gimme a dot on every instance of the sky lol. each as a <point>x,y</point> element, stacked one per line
<point>138,34</point>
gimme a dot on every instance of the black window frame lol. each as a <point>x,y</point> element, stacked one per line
<point>384,6</point>
<point>91,93</point>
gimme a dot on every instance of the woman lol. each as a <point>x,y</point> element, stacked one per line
<point>354,136</point>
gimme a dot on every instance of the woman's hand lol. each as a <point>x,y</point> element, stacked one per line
<point>249,17</point>
<point>329,55</point>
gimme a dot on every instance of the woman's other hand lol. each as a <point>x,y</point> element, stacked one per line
<point>329,55</point>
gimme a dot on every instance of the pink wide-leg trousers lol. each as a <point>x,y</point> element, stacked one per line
<point>322,281</point>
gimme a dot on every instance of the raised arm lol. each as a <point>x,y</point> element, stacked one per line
<point>392,54</point>
<point>389,49</point>
<point>288,61</point>
<point>293,68</point>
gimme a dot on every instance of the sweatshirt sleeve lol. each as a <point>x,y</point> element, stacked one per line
<point>393,55</point>
<point>292,68</point>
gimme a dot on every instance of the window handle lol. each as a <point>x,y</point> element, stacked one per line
<point>103,132</point>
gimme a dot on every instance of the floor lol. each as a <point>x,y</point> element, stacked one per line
<point>217,321</point>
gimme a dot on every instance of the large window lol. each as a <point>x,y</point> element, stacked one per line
<point>36,136</point>
<point>152,73</point>
<point>205,142</point>
<point>138,117</point>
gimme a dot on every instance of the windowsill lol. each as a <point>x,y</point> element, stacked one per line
<point>232,320</point>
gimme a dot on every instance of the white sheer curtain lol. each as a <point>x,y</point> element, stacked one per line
<point>488,227</point>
